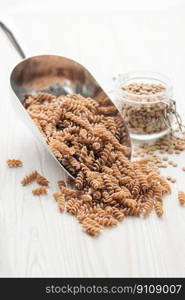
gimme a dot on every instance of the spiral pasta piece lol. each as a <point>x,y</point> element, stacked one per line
<point>79,180</point>
<point>61,184</point>
<point>158,208</point>
<point>29,178</point>
<point>107,222</point>
<point>91,226</point>
<point>129,202</point>
<point>14,163</point>
<point>59,197</point>
<point>147,208</point>
<point>73,206</point>
<point>181,197</point>
<point>39,191</point>
<point>117,214</point>
<point>42,180</point>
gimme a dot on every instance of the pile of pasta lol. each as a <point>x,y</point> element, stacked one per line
<point>89,138</point>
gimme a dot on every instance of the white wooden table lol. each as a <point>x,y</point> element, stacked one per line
<point>35,239</point>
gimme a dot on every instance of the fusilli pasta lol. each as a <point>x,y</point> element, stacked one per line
<point>39,191</point>
<point>29,178</point>
<point>89,139</point>
<point>14,163</point>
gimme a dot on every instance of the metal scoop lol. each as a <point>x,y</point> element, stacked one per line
<point>55,75</point>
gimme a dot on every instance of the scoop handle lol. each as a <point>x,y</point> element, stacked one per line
<point>12,39</point>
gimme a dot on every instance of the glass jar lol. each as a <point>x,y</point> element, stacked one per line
<point>144,99</point>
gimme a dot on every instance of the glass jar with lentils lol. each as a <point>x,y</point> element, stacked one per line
<point>145,103</point>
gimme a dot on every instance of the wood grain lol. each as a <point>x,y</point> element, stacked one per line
<point>35,239</point>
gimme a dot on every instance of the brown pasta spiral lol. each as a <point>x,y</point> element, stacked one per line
<point>39,191</point>
<point>42,180</point>
<point>181,198</point>
<point>148,206</point>
<point>117,214</point>
<point>158,208</point>
<point>106,222</point>
<point>91,226</point>
<point>61,184</point>
<point>29,178</point>
<point>59,197</point>
<point>14,163</point>
<point>73,206</point>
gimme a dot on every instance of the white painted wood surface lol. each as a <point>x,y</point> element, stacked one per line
<point>35,239</point>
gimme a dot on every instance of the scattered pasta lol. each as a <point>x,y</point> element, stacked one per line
<point>181,197</point>
<point>61,184</point>
<point>90,140</point>
<point>158,208</point>
<point>42,180</point>
<point>14,163</point>
<point>59,197</point>
<point>29,178</point>
<point>39,191</point>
